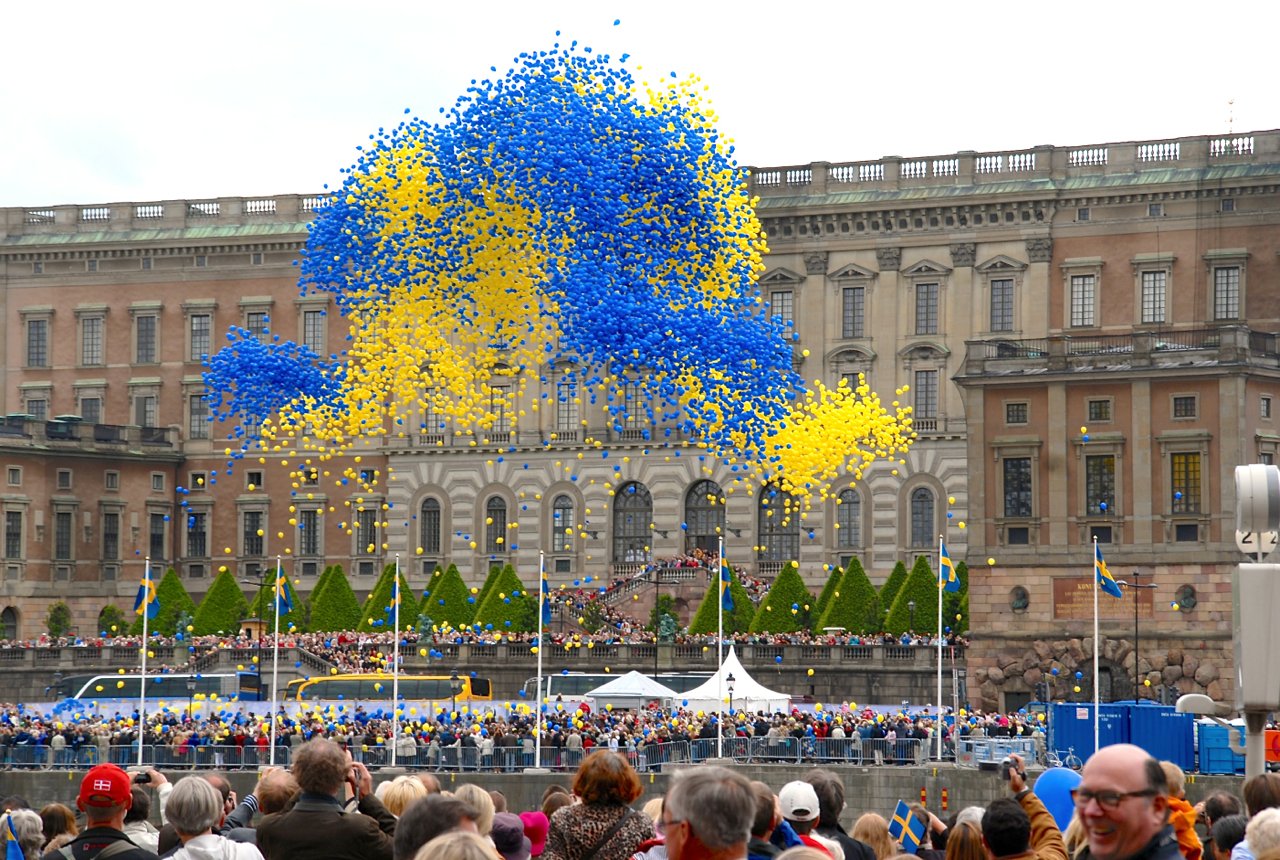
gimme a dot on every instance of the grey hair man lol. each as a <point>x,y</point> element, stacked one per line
<point>708,815</point>
<point>195,808</point>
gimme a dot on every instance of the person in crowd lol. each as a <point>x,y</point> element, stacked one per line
<point>1021,827</point>
<point>400,792</point>
<point>195,808</point>
<point>804,852</point>
<point>429,817</point>
<point>829,788</point>
<point>1123,801</point>
<point>1217,806</point>
<point>873,830</point>
<point>1181,814</point>
<point>708,814</point>
<point>798,803</point>
<point>1260,792</point>
<point>316,827</point>
<point>964,842</point>
<point>934,844</point>
<point>602,824</point>
<point>458,845</point>
<point>1227,832</point>
<point>137,821</point>
<point>479,800</point>
<point>59,825</point>
<point>1263,834</point>
<point>759,846</point>
<point>24,828</point>
<point>507,833</point>
<point>106,793</point>
<point>535,827</point>
<point>430,781</point>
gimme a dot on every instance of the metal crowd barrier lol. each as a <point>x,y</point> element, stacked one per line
<point>972,752</point>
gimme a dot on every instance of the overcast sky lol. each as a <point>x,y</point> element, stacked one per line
<point>106,102</point>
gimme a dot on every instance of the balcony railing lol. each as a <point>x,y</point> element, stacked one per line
<point>28,431</point>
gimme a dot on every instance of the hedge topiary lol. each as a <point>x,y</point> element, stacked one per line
<point>736,620</point>
<point>506,607</point>
<point>922,587</point>
<point>786,607</point>
<point>444,599</point>
<point>889,590</point>
<point>111,620</point>
<point>336,607</point>
<point>377,614</point>
<point>495,570</point>
<point>855,606</point>
<point>223,608</point>
<point>174,602</point>
<point>832,584</point>
<point>58,621</point>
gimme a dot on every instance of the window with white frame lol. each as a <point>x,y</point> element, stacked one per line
<point>197,534</point>
<point>926,308</point>
<point>563,524</point>
<point>366,532</point>
<point>925,389</point>
<point>144,410</point>
<point>38,342</point>
<point>1083,300</point>
<point>91,340</point>
<point>853,312</point>
<point>782,305</point>
<point>1226,292</point>
<point>199,335</point>
<point>37,406</point>
<point>91,409</point>
<point>197,416</point>
<point>1153,296</point>
<point>258,325</point>
<point>567,419</point>
<point>145,332</point>
<point>309,532</point>
<point>313,330</point>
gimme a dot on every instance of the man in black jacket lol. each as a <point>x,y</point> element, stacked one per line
<point>830,790</point>
<point>106,794</point>
<point>1123,802</point>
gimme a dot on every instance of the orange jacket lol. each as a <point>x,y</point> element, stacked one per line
<point>1183,819</point>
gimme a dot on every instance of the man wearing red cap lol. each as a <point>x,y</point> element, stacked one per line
<point>106,794</point>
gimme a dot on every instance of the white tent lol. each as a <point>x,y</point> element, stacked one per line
<point>632,690</point>
<point>748,693</point>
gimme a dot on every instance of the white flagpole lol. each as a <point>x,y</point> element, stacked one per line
<point>938,635</point>
<point>720,650</point>
<point>395,664</point>
<point>142,686</point>
<point>1095,644</point>
<point>537,699</point>
<point>275,659</point>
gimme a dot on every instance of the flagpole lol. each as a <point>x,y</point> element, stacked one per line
<point>275,658</point>
<point>938,726</point>
<point>395,664</point>
<point>720,586</point>
<point>537,700</point>
<point>1096,585</point>
<point>142,686</point>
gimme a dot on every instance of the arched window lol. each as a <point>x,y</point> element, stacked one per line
<point>923,521</point>
<point>429,527</point>
<point>704,517</point>
<point>778,525</point>
<point>632,523</point>
<point>9,623</point>
<point>562,524</point>
<point>849,519</point>
<point>495,525</point>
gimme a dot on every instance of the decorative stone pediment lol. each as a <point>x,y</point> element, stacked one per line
<point>781,277</point>
<point>815,263</point>
<point>1000,264</point>
<point>926,269</point>
<point>962,254</point>
<point>889,259</point>
<point>853,272</point>
<point>924,351</point>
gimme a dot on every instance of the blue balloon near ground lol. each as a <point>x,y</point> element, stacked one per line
<point>1054,788</point>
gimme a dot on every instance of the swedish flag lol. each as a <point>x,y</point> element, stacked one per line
<point>906,828</point>
<point>726,579</point>
<point>147,600</point>
<point>947,579</point>
<point>283,603</point>
<point>1105,581</point>
<point>542,600</point>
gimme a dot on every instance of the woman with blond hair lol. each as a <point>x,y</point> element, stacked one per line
<point>400,792</point>
<point>964,842</point>
<point>458,845</point>
<point>482,802</point>
<point>874,831</point>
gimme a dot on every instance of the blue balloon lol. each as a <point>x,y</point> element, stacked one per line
<point>1054,787</point>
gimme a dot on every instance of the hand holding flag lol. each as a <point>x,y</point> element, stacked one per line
<point>906,828</point>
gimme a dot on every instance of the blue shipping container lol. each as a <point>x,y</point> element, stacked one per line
<point>1215,750</point>
<point>1071,727</point>
<point>1163,732</point>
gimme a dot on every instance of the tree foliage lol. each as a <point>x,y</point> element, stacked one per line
<point>889,590</point>
<point>920,586</point>
<point>854,605</point>
<point>174,602</point>
<point>957,602</point>
<point>664,605</point>
<point>445,599</point>
<point>377,614</point>
<point>506,607</point>
<point>786,606</point>
<point>334,607</point>
<point>736,620</point>
<point>834,575</point>
<point>58,621</point>
<point>111,620</point>
<point>223,607</point>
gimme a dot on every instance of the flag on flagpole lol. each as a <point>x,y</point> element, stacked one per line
<point>906,828</point>
<point>726,579</point>
<point>542,599</point>
<point>283,602</point>
<point>1105,581</point>
<point>947,579</point>
<point>147,600</point>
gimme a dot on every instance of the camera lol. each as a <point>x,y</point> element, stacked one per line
<point>141,778</point>
<point>1006,768</point>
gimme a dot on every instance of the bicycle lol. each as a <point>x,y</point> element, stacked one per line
<point>1071,760</point>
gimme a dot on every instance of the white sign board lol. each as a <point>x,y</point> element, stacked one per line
<point>1253,543</point>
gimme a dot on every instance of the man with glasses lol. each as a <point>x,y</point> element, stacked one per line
<point>708,814</point>
<point>1123,803</point>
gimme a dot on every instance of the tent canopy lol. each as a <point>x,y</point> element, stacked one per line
<point>632,690</point>
<point>748,693</point>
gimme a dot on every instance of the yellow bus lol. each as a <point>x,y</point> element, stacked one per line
<point>436,688</point>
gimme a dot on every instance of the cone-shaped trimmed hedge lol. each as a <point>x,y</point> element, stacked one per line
<point>174,602</point>
<point>786,608</point>
<point>495,571</point>
<point>922,587</point>
<point>444,600</point>
<point>834,575</point>
<point>736,620</point>
<point>855,606</point>
<point>508,607</point>
<point>333,604</point>
<point>377,614</point>
<point>223,608</point>
<point>889,590</point>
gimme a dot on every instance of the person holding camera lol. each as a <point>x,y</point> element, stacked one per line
<point>1020,827</point>
<point>106,794</point>
<point>137,821</point>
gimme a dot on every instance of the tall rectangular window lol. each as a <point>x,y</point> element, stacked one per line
<point>144,410</point>
<point>562,524</point>
<point>366,533</point>
<point>430,520</point>
<point>91,341</point>
<point>158,530</point>
<point>926,308</point>
<point>200,331</point>
<point>633,406</point>
<point>197,417</point>
<point>566,405</point>
<point>308,532</point>
<point>197,534</point>
<point>111,536</point>
<point>498,408</point>
<point>13,534</point>
<point>782,304</point>
<point>1185,482</point>
<point>91,410</point>
<point>1017,486</point>
<point>38,408</point>
<point>853,312</point>
<point>145,339</point>
<point>62,525</point>
<point>926,391</point>
<point>37,343</point>
<point>252,532</point>
<point>1002,304</point>
<point>1226,293</point>
<point>257,322</point>
<point>1099,484</point>
<point>1153,296</point>
<point>1082,300</point>
<point>313,326</point>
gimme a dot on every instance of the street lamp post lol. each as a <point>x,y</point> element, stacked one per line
<point>1137,653</point>
<point>911,613</point>
<point>455,686</point>
<point>729,680</point>
<point>191,695</point>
